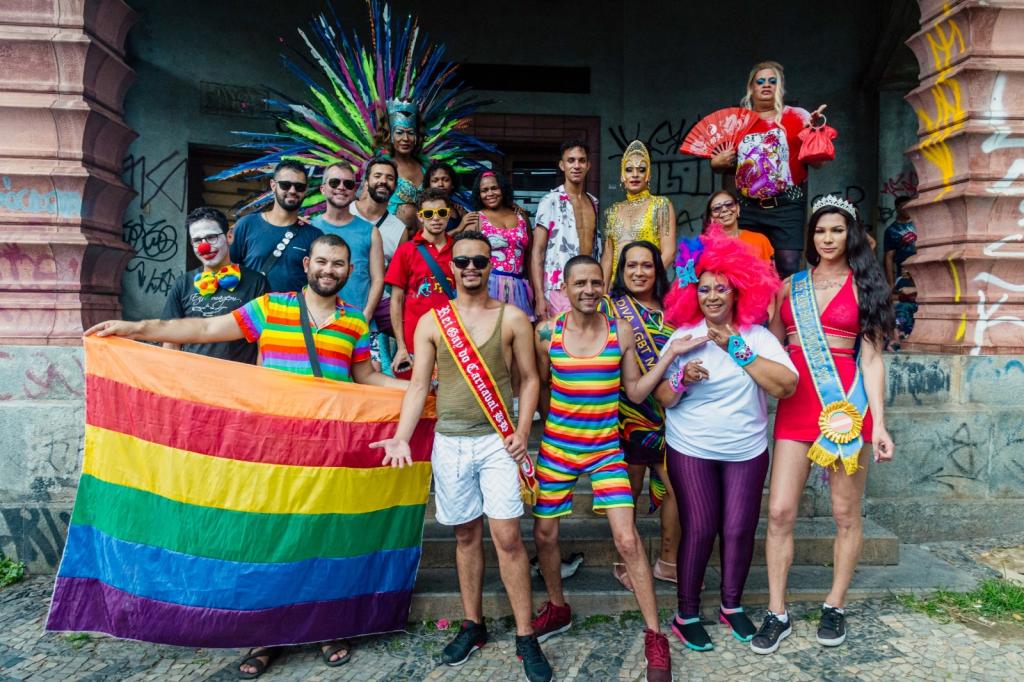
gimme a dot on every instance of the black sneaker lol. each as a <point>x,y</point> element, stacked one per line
<point>471,637</point>
<point>535,663</point>
<point>832,628</point>
<point>771,634</point>
<point>739,623</point>
<point>691,633</point>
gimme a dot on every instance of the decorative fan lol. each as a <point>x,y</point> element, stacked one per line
<point>720,130</point>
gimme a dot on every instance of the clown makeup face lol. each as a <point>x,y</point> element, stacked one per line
<point>716,298</point>
<point>209,244</point>
<point>636,172</point>
<point>404,141</point>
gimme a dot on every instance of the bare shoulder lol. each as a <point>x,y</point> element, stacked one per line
<point>624,332</point>
<point>516,320</point>
<point>543,330</point>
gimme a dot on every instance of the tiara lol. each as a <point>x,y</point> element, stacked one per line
<point>402,113</point>
<point>834,201</point>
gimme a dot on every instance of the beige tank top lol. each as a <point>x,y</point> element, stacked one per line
<point>458,411</point>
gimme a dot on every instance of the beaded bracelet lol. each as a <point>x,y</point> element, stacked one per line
<point>740,351</point>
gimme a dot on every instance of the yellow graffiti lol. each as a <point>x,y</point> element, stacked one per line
<point>961,330</point>
<point>946,42</point>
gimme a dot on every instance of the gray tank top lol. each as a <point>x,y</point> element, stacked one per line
<point>458,411</point>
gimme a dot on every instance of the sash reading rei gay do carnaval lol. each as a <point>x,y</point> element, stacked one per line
<point>842,413</point>
<point>483,387</point>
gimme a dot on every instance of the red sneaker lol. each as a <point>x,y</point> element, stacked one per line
<point>552,620</point>
<point>659,663</point>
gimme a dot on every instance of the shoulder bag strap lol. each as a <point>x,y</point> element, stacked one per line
<point>435,269</point>
<point>314,359</point>
<point>271,260</point>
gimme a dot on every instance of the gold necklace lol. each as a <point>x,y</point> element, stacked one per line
<point>639,196</point>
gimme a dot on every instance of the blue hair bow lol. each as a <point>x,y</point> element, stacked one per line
<point>686,274</point>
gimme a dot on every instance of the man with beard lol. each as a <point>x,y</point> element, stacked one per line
<point>340,339</point>
<point>217,287</point>
<point>275,242</point>
<point>366,283</point>
<point>379,180</point>
<point>475,339</point>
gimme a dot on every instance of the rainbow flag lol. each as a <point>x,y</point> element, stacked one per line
<point>226,505</point>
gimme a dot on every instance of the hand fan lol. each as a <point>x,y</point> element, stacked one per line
<point>719,130</point>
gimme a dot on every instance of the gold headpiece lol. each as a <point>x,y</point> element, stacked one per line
<point>636,147</point>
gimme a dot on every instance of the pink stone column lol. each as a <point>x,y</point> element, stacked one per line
<point>63,79</point>
<point>969,267</point>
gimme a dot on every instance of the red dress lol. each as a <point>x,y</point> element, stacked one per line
<point>797,416</point>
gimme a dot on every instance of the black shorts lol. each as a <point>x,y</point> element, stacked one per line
<point>638,455</point>
<point>783,224</point>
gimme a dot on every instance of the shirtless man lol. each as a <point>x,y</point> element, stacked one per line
<point>587,355</point>
<point>566,226</point>
<point>475,468</point>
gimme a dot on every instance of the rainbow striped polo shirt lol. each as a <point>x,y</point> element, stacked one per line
<point>272,320</point>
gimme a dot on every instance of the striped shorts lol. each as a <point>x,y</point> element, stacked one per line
<point>558,471</point>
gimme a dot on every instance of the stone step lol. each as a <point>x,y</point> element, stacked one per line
<point>592,536</point>
<point>583,503</point>
<point>593,590</point>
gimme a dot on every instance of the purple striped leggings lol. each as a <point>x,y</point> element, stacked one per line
<point>715,499</point>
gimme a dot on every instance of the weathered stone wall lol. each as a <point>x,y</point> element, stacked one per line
<point>957,422</point>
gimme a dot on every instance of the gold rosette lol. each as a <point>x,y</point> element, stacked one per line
<point>840,422</point>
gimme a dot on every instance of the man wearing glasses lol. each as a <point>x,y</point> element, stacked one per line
<point>366,282</point>
<point>216,288</point>
<point>420,275</point>
<point>275,242</point>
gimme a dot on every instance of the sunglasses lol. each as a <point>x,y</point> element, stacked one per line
<point>347,184</point>
<point>479,262</point>
<point>724,206</point>
<point>770,81</point>
<point>428,213</point>
<point>719,289</point>
<point>287,185</point>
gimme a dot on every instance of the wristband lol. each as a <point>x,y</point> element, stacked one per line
<point>676,381</point>
<point>740,351</point>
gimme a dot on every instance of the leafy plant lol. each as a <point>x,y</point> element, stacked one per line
<point>11,571</point>
<point>993,599</point>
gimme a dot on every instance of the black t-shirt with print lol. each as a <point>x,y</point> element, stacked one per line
<point>185,301</point>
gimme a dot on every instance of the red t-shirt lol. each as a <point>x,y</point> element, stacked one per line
<point>767,157</point>
<point>409,272</point>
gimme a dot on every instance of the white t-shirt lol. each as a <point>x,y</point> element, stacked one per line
<point>724,417</point>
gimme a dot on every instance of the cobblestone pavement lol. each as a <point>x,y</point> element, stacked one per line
<point>886,641</point>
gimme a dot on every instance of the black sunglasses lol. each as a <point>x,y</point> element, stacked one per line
<point>287,185</point>
<point>479,262</point>
<point>347,184</point>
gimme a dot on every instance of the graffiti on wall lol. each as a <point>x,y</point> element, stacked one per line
<point>35,535</point>
<point>895,186</point>
<point>680,178</point>
<point>30,200</point>
<point>151,224</point>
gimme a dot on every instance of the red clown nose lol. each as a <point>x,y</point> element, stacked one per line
<point>204,248</point>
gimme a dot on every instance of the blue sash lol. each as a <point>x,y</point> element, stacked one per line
<point>842,413</point>
<point>624,308</point>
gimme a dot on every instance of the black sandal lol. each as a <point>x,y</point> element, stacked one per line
<point>328,650</point>
<point>253,658</point>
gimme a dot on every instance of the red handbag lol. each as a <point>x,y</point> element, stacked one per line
<point>816,144</point>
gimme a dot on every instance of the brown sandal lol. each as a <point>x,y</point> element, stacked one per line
<point>329,649</point>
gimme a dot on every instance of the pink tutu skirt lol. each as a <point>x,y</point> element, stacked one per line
<point>512,289</point>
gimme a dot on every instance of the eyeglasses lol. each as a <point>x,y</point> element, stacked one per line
<point>479,262</point>
<point>287,185</point>
<point>771,80</point>
<point>346,183</point>
<point>283,244</point>
<point>719,289</point>
<point>209,239</point>
<point>722,207</point>
<point>428,213</point>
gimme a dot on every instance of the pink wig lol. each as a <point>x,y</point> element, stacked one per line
<point>754,281</point>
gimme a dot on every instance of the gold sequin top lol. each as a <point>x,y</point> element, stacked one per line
<point>646,229</point>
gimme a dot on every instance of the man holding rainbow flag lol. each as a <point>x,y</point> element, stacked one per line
<point>246,551</point>
<point>480,462</point>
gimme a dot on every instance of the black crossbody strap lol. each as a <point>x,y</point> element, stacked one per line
<point>307,334</point>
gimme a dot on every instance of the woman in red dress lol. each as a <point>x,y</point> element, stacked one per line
<point>856,318</point>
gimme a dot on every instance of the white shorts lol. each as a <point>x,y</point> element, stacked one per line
<point>474,475</point>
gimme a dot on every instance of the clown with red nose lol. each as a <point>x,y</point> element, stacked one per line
<point>210,245</point>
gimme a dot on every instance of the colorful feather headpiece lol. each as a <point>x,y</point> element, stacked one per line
<point>397,72</point>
